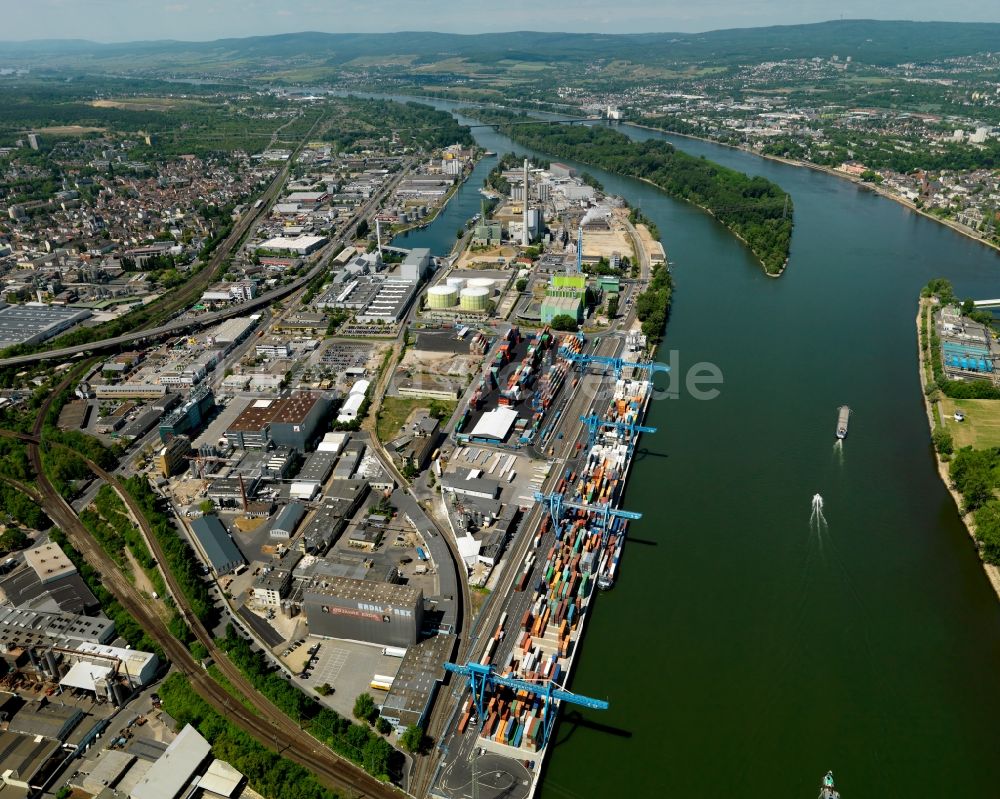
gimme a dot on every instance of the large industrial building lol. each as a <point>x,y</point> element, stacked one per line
<point>289,422</point>
<point>364,610</point>
<point>32,324</point>
<point>300,245</point>
<point>190,416</point>
<point>416,682</point>
<point>216,545</point>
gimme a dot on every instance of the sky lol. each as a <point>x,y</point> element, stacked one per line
<point>132,20</point>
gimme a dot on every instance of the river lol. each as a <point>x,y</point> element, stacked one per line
<point>745,652</point>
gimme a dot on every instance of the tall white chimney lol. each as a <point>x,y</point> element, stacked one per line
<point>524,233</point>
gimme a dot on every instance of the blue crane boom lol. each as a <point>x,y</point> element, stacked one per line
<point>595,423</point>
<point>618,365</point>
<point>556,503</point>
<point>482,678</point>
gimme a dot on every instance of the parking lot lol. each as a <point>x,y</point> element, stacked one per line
<point>348,667</point>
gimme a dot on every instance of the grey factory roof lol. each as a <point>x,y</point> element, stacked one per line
<point>365,591</point>
<point>47,719</point>
<point>168,775</point>
<point>20,627</point>
<point>142,424</point>
<point>34,323</point>
<point>421,668</point>
<point>317,467</point>
<point>216,543</point>
<point>69,593</point>
<point>107,770</point>
<point>289,517</point>
<point>24,755</point>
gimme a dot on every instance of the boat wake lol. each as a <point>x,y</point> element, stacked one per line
<point>838,451</point>
<point>817,521</point>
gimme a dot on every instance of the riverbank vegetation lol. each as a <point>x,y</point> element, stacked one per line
<point>653,305</point>
<point>758,211</point>
<point>968,447</point>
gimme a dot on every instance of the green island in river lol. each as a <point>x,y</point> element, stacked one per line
<point>755,209</point>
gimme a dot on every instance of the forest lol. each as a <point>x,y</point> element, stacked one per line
<point>754,208</point>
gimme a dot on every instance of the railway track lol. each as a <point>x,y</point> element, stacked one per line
<point>266,723</point>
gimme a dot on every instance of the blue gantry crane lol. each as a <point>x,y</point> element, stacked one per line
<point>616,364</point>
<point>483,678</point>
<point>556,503</point>
<point>595,423</point>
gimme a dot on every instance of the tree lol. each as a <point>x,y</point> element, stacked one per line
<point>364,708</point>
<point>613,306</point>
<point>206,506</point>
<point>942,439</point>
<point>363,228</point>
<point>325,689</point>
<point>12,539</point>
<point>383,726</point>
<point>968,307</point>
<point>988,530</point>
<point>521,284</point>
<point>564,322</point>
<point>413,738</point>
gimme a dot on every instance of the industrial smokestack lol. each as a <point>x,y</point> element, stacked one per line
<point>378,234</point>
<point>524,232</point>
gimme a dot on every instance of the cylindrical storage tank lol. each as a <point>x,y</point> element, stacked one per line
<point>442,296</point>
<point>456,282</point>
<point>481,282</point>
<point>475,299</point>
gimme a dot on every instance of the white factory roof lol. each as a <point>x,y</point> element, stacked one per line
<point>299,243</point>
<point>468,548</point>
<point>495,424</point>
<point>221,778</point>
<point>85,675</point>
<point>133,660</point>
<point>332,442</point>
<point>349,410</point>
<point>167,777</point>
<point>360,387</point>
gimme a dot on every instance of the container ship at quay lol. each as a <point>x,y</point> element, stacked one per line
<point>576,549</point>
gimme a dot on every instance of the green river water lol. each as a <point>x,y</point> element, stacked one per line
<point>743,651</point>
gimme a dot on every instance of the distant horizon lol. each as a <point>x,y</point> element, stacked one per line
<point>88,20</point>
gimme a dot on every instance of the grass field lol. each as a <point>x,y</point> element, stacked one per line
<point>981,428</point>
<point>396,410</point>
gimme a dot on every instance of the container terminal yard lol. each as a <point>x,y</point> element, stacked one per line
<point>527,638</point>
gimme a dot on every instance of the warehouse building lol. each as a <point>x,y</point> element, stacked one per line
<point>33,628</point>
<point>287,521</point>
<point>289,422</point>
<point>316,468</point>
<point>23,589</point>
<point>175,768</point>
<point>364,610</point>
<point>216,545</point>
<point>464,485</point>
<point>300,245</point>
<point>416,682</point>
<point>27,763</point>
<point>33,324</point>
